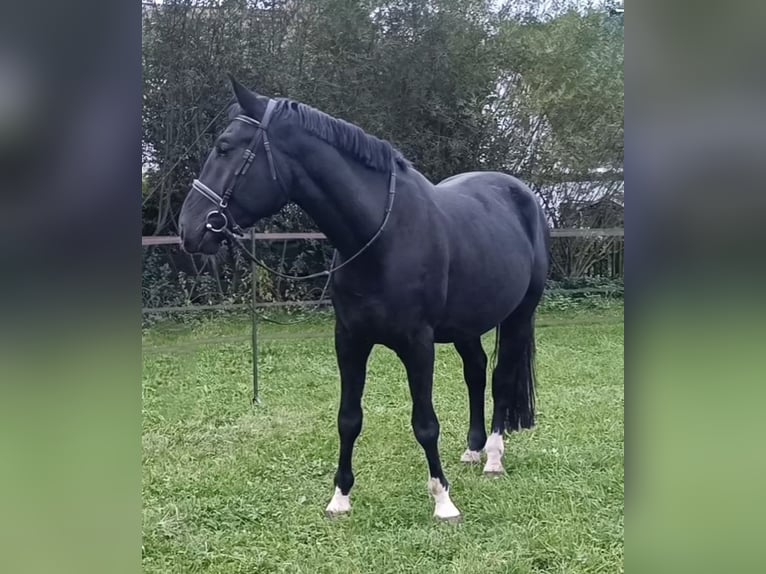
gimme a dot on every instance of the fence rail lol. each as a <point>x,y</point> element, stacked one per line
<point>175,240</point>
<point>606,264</point>
<point>235,306</point>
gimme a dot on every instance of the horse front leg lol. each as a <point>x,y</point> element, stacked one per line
<point>352,354</point>
<point>417,354</point>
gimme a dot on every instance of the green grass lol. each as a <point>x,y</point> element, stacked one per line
<point>232,488</point>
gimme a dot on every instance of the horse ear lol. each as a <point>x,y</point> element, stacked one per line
<point>242,94</point>
<point>247,99</point>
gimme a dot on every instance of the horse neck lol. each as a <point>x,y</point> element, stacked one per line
<point>347,201</point>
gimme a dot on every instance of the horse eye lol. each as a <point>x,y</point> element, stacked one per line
<point>221,149</point>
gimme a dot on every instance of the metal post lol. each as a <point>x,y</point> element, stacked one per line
<point>254,285</point>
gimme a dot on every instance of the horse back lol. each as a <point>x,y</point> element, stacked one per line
<point>492,203</point>
<point>497,236</point>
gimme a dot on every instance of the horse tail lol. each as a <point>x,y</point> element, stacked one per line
<point>519,329</point>
<point>493,362</point>
<point>514,376</point>
<point>520,343</point>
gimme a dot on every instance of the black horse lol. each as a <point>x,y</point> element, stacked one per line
<point>421,264</point>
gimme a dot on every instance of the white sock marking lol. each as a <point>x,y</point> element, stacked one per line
<point>471,456</point>
<point>444,507</point>
<point>339,504</point>
<point>494,449</point>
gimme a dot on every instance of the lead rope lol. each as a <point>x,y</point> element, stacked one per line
<point>237,240</point>
<point>312,310</point>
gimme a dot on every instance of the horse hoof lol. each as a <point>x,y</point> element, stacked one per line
<point>335,515</point>
<point>471,457</point>
<point>449,519</point>
<point>339,505</point>
<point>494,473</point>
<point>494,470</point>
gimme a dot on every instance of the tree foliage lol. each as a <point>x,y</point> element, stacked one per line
<point>533,89</point>
<point>457,85</point>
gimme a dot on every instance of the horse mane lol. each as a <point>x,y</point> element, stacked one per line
<point>371,151</point>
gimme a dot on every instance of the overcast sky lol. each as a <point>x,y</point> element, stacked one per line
<point>549,7</point>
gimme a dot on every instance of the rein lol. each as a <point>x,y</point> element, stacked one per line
<point>220,220</point>
<point>315,308</point>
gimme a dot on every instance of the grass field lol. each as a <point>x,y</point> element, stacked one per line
<point>232,488</point>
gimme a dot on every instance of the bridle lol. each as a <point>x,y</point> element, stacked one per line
<point>225,221</point>
<point>220,219</point>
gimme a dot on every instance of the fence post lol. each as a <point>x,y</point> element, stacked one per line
<point>254,286</point>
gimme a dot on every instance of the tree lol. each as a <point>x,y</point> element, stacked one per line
<point>534,89</point>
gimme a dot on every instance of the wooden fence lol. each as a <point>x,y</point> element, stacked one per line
<point>175,240</point>
<point>612,264</point>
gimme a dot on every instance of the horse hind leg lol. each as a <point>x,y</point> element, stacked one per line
<point>513,380</point>
<point>475,374</point>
